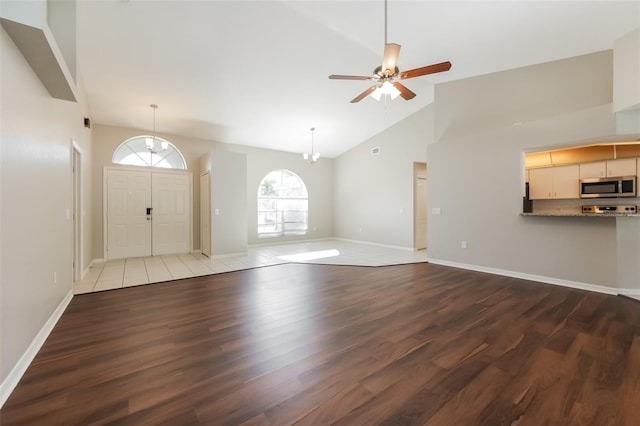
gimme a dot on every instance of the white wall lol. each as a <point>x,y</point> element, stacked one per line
<point>475,173</point>
<point>626,71</point>
<point>374,194</point>
<point>107,139</point>
<point>35,193</point>
<point>318,178</point>
<point>228,174</point>
<point>259,162</point>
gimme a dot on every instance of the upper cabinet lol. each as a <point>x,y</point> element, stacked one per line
<point>623,167</point>
<point>611,168</point>
<point>593,170</point>
<point>554,182</point>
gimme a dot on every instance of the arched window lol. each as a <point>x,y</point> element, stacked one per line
<point>283,205</point>
<point>148,151</point>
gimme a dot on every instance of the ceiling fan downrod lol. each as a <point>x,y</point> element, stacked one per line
<point>385,22</point>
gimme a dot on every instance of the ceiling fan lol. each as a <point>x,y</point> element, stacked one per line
<point>387,75</point>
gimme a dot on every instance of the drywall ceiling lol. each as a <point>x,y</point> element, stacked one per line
<point>255,72</point>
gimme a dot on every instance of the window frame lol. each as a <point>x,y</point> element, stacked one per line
<point>127,145</point>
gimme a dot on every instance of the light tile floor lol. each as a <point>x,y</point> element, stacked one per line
<point>145,270</point>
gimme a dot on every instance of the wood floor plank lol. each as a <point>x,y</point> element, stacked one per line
<point>320,344</point>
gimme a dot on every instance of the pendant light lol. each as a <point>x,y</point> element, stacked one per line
<point>151,142</point>
<point>313,156</point>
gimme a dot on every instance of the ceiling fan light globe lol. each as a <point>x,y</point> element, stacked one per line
<point>376,94</point>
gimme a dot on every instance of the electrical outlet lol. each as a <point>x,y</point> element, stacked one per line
<point>463,245</point>
<point>436,210</point>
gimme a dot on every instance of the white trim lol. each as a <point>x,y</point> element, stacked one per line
<point>630,292</point>
<point>280,243</point>
<point>631,296</point>
<point>530,277</point>
<point>376,244</point>
<point>91,265</point>
<point>222,256</point>
<point>11,381</point>
<point>77,223</point>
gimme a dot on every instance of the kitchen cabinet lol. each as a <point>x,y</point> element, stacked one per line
<point>554,182</point>
<point>598,169</point>
<point>622,167</point>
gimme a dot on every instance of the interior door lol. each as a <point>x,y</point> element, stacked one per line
<point>420,206</point>
<point>171,214</point>
<point>128,227</point>
<point>76,213</point>
<point>205,214</point>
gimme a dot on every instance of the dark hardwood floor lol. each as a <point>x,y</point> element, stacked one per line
<point>319,345</point>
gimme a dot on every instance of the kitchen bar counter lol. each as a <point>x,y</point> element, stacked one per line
<point>576,214</point>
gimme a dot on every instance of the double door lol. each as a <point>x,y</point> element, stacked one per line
<point>146,213</point>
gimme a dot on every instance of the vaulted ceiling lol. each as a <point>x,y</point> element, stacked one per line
<point>255,72</point>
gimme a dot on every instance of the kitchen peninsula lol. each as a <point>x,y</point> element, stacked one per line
<point>596,180</point>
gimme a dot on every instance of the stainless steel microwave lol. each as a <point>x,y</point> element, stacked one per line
<point>609,187</point>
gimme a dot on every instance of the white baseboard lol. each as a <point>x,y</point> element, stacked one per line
<point>86,270</point>
<point>375,244</point>
<point>11,381</point>
<point>222,256</point>
<point>630,292</point>
<point>530,277</point>
<point>281,243</point>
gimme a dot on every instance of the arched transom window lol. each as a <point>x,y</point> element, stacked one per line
<point>283,205</point>
<point>148,151</point>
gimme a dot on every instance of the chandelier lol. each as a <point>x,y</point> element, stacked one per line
<point>313,156</point>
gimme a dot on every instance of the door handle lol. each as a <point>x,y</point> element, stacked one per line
<point>149,212</point>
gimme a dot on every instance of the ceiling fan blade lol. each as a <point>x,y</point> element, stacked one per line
<point>364,94</point>
<point>429,69</point>
<point>404,92</point>
<point>349,77</point>
<point>390,58</point>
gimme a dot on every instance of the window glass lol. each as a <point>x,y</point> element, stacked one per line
<point>283,205</point>
<point>148,151</point>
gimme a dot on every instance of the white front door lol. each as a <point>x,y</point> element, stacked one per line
<point>171,213</point>
<point>128,228</point>
<point>147,213</point>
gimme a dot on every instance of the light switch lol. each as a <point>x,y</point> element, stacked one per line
<point>435,210</point>
<point>216,212</point>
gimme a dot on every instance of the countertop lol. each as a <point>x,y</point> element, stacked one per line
<point>574,214</point>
